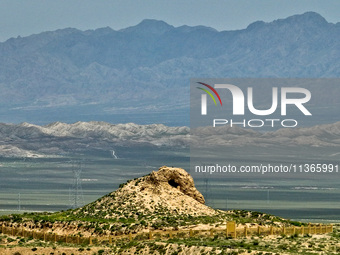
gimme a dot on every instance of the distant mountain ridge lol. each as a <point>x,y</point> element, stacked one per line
<point>62,140</point>
<point>149,65</point>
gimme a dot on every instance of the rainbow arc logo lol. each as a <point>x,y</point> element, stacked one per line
<point>204,97</point>
<point>209,93</point>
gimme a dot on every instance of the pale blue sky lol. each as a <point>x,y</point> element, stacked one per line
<point>23,17</point>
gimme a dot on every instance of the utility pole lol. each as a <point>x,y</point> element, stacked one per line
<point>19,202</point>
<point>268,196</point>
<point>76,198</point>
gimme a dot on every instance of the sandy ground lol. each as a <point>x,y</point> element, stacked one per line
<point>51,251</point>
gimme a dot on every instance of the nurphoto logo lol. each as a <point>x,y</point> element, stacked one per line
<point>302,96</point>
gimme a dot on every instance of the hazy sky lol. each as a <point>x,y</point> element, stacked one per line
<point>26,17</point>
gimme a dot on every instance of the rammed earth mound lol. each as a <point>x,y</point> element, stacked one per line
<point>165,199</point>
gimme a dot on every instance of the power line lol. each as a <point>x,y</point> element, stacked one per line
<point>19,202</point>
<point>76,197</point>
<point>268,196</point>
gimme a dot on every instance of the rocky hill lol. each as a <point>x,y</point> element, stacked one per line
<point>168,191</point>
<point>164,199</point>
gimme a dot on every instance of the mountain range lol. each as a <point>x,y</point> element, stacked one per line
<point>63,140</point>
<point>71,75</point>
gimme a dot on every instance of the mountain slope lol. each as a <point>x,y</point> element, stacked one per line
<point>148,66</point>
